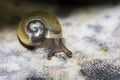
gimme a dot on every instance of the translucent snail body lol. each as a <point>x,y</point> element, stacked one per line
<point>38,26</point>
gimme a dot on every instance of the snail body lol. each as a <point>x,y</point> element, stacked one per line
<point>38,26</point>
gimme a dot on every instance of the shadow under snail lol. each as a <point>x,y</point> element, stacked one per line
<point>38,26</point>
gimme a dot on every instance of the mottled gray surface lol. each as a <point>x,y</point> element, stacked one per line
<point>100,70</point>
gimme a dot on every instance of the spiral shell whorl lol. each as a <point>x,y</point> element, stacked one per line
<point>34,29</point>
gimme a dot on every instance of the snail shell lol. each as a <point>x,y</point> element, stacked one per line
<point>37,26</point>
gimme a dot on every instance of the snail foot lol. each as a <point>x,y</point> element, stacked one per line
<point>58,46</point>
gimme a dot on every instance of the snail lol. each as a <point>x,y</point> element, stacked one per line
<point>38,26</point>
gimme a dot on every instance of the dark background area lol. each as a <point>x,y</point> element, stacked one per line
<point>11,11</point>
<point>71,2</point>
